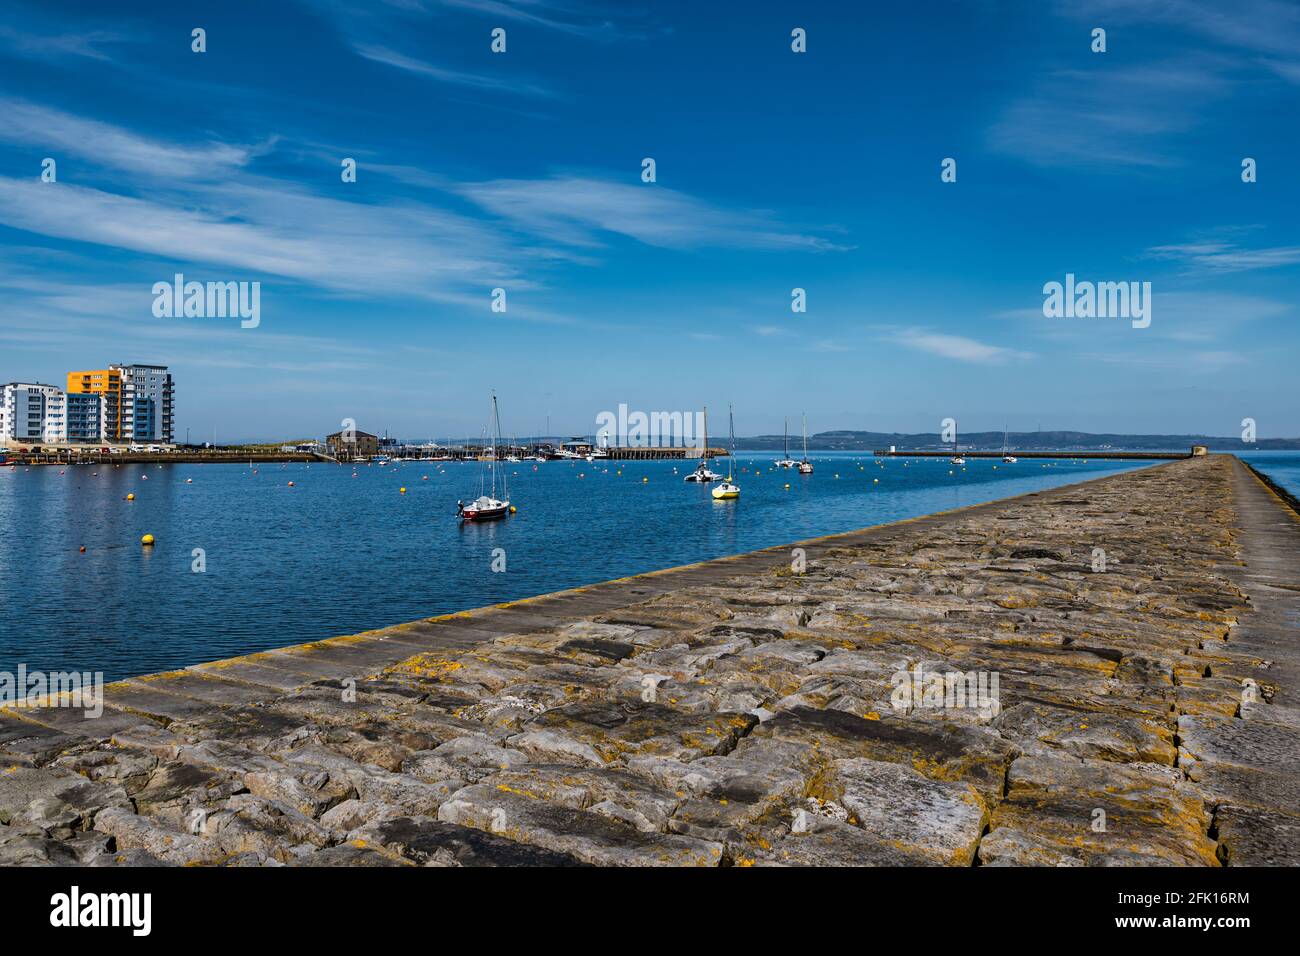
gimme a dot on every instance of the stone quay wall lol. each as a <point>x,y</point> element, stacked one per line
<point>1101,673</point>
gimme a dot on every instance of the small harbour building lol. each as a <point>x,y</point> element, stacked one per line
<point>352,445</point>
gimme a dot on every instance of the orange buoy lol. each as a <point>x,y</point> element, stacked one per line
<point>130,497</point>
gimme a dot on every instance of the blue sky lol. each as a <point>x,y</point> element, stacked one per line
<point>775,170</point>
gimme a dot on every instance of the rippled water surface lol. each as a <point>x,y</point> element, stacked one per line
<point>1282,466</point>
<point>337,554</point>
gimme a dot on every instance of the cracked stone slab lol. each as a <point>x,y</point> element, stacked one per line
<point>590,837</point>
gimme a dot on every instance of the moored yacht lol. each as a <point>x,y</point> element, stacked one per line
<point>702,471</point>
<point>729,489</point>
<point>805,466</point>
<point>1007,457</point>
<point>787,461</point>
<point>487,506</point>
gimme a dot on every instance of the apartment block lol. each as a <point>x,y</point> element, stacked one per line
<point>32,412</point>
<point>85,417</point>
<point>137,402</point>
<point>148,403</point>
<point>107,384</point>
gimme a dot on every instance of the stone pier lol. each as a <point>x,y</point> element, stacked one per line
<point>1105,673</point>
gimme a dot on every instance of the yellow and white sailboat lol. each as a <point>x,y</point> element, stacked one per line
<point>729,489</point>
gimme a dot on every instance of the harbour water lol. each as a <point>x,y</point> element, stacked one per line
<point>1283,467</point>
<point>337,554</point>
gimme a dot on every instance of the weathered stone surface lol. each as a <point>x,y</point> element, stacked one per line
<point>53,799</point>
<point>430,842</point>
<point>1061,811</point>
<point>942,751</point>
<point>590,837</point>
<point>134,832</point>
<point>900,807</point>
<point>1251,744</point>
<point>613,730</point>
<point>1092,734</point>
<point>831,844</point>
<point>1249,836</point>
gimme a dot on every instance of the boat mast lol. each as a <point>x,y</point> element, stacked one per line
<point>496,449</point>
<point>805,438</point>
<point>787,438</point>
<point>704,452</point>
<point>732,417</point>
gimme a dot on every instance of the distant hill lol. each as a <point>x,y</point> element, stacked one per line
<point>1019,441</point>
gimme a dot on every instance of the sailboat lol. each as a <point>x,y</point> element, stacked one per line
<point>805,466</point>
<point>703,472</point>
<point>488,507</point>
<point>729,489</point>
<point>1007,457</point>
<point>787,461</point>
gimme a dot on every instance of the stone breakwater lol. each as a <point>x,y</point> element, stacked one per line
<point>740,712</point>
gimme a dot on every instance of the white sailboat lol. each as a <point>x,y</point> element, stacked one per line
<point>787,461</point>
<point>805,466</point>
<point>488,507</point>
<point>702,472</point>
<point>1007,457</point>
<point>729,489</point>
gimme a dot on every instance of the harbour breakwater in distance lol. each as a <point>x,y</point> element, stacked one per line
<point>1136,636</point>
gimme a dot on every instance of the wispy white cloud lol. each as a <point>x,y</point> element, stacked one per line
<point>63,134</point>
<point>424,249</point>
<point>587,20</point>
<point>958,347</point>
<point>1267,29</point>
<point>577,210</point>
<point>274,229</point>
<point>574,18</point>
<point>46,46</point>
<point>1222,256</point>
<point>826,345</point>
<point>478,81</point>
<point>1121,118</point>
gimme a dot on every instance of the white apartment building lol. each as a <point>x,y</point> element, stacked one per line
<point>32,412</point>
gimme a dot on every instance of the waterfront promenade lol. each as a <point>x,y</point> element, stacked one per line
<point>746,711</point>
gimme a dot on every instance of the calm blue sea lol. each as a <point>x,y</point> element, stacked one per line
<point>338,554</point>
<point>1282,466</point>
